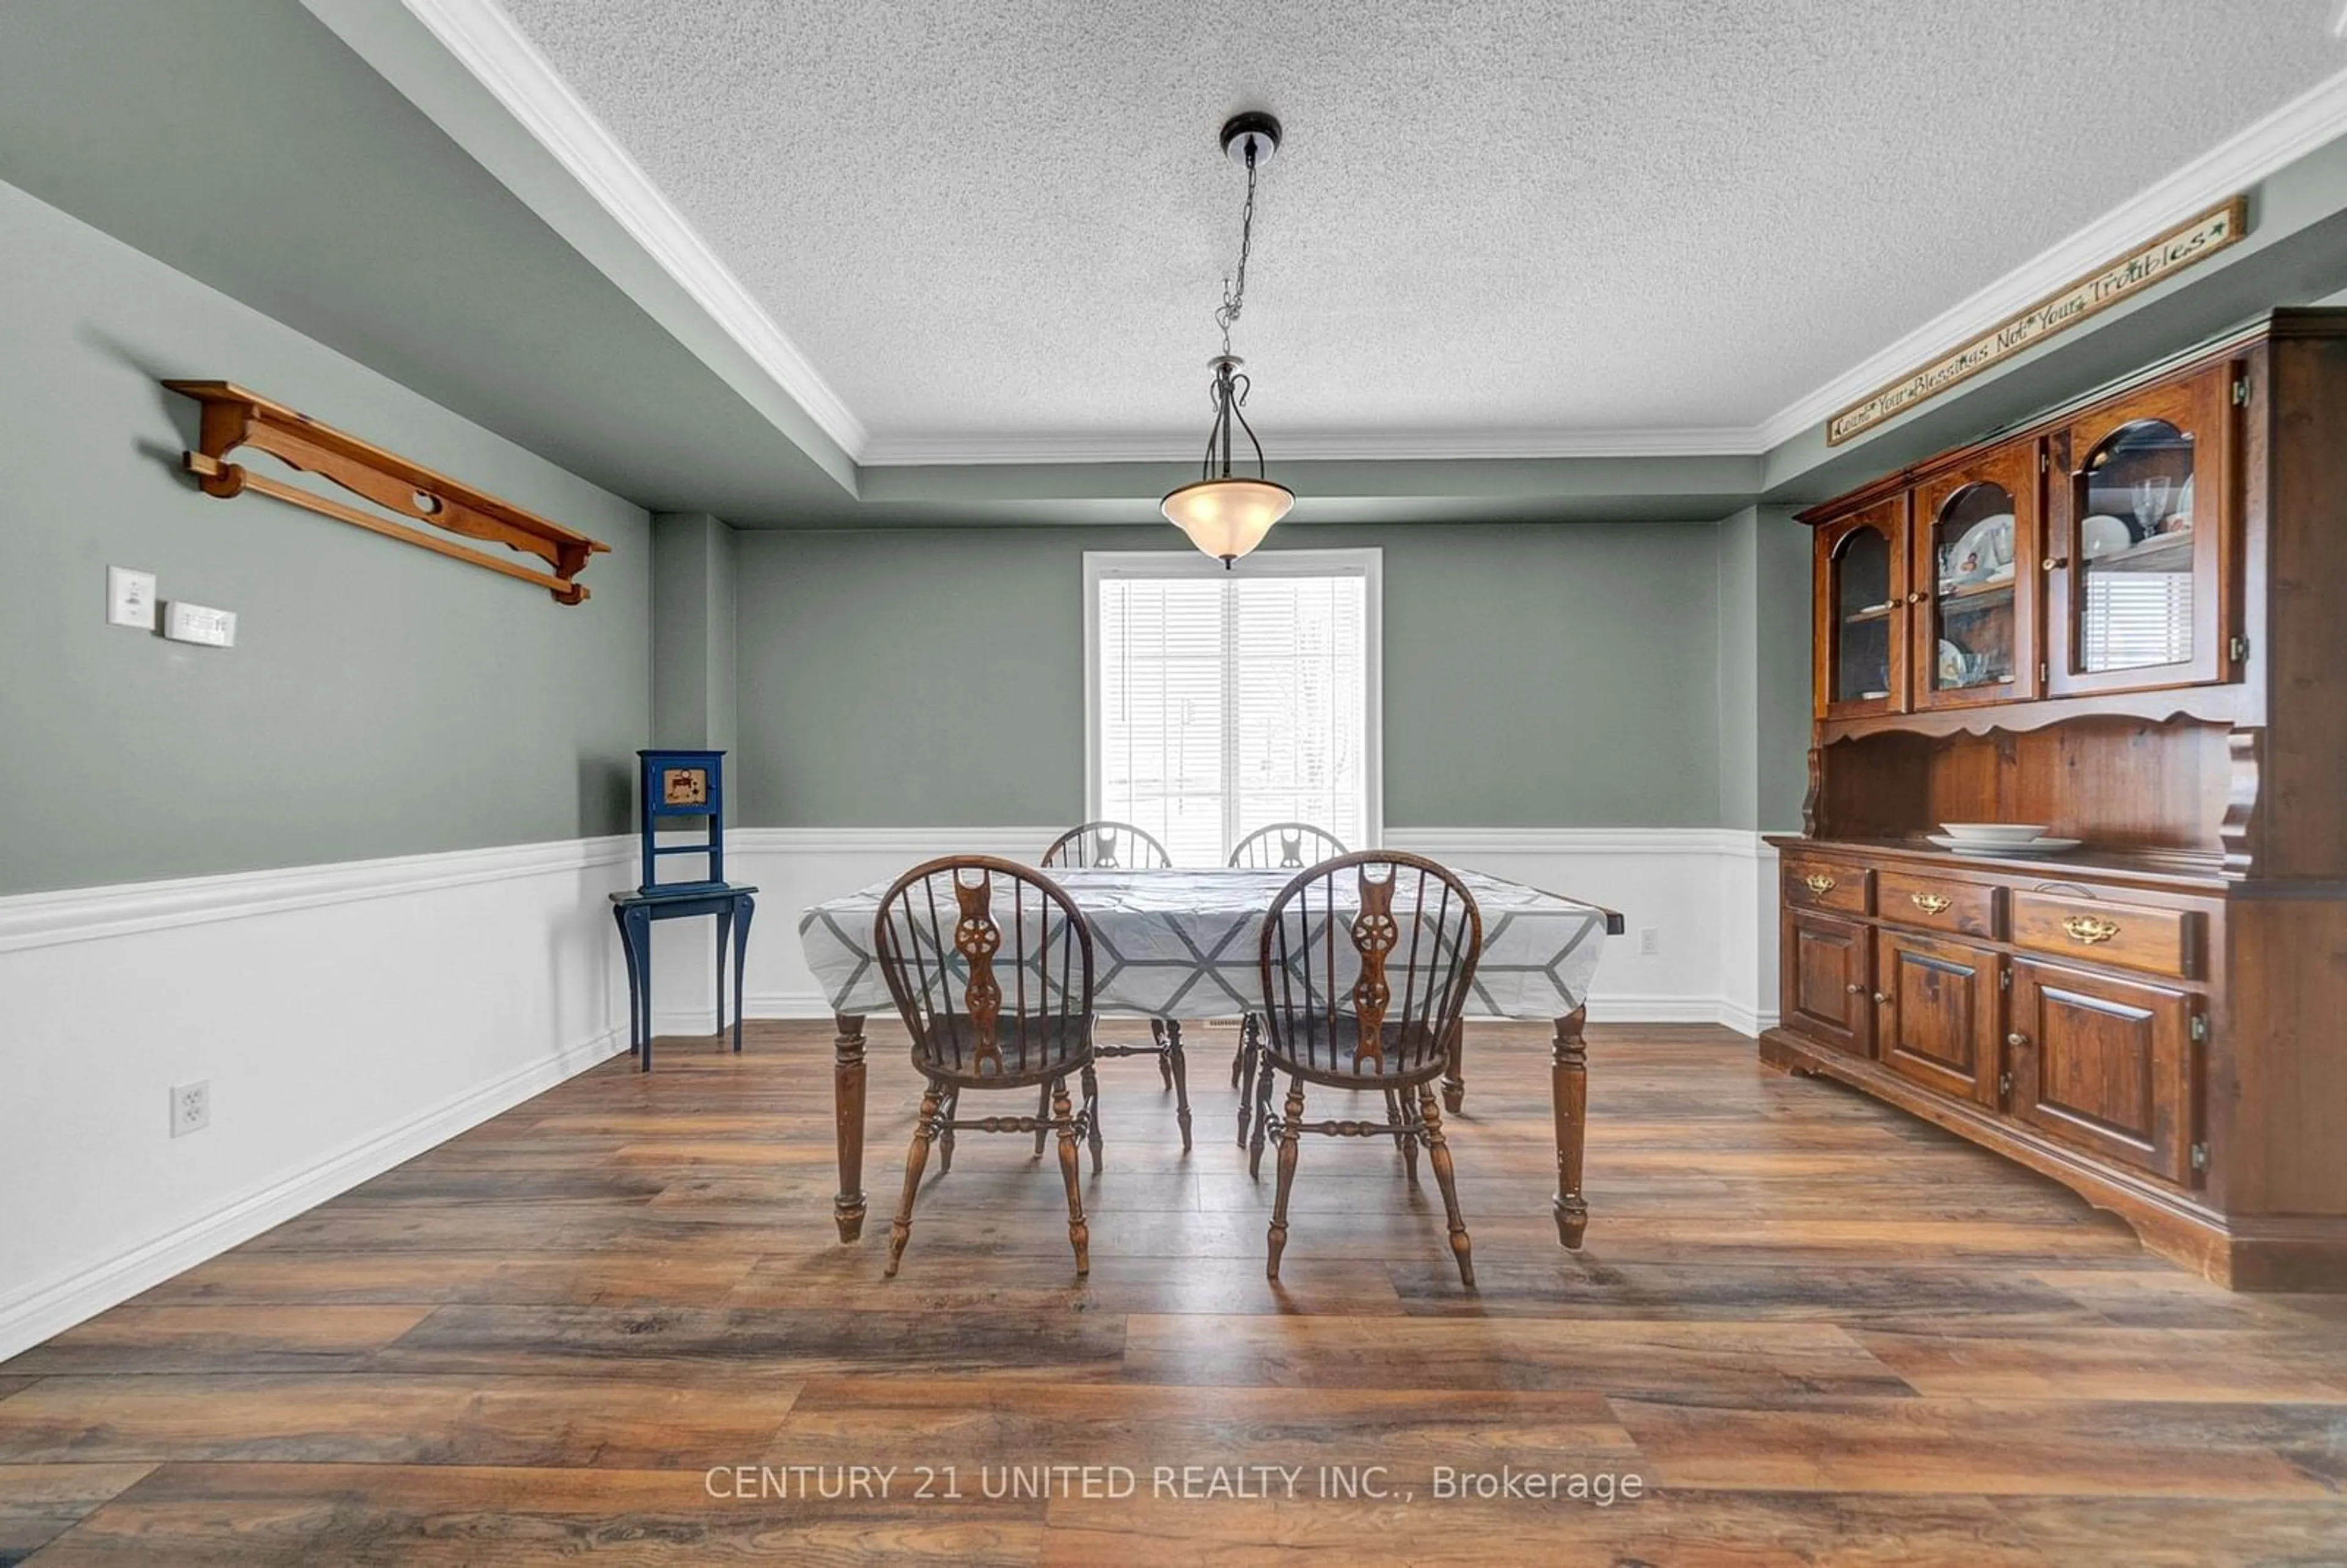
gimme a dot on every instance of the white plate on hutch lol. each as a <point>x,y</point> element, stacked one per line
<point>2023,847</point>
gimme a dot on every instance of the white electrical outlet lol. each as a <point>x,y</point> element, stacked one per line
<point>1650,941</point>
<point>199,623</point>
<point>129,597</point>
<point>192,1107</point>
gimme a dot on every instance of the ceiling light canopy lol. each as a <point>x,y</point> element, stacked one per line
<point>1227,515</point>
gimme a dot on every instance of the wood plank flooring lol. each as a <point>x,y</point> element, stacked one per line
<point>611,1322</point>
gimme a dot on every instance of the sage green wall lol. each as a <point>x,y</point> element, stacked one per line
<point>692,630</point>
<point>1557,675</point>
<point>380,700</point>
<point>1764,669</point>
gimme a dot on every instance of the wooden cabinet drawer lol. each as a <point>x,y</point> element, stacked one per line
<point>1937,904</point>
<point>1821,885</point>
<point>2095,930</point>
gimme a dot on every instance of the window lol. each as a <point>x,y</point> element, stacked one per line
<point>1220,701</point>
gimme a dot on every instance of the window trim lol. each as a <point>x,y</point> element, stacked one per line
<point>1367,564</point>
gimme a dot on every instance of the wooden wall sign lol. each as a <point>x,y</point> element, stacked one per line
<point>2188,243</point>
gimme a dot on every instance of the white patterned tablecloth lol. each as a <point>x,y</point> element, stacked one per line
<point>1184,944</point>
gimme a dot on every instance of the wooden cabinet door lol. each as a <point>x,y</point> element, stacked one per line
<point>1861,600</point>
<point>2141,574</point>
<point>1973,613</point>
<point>2106,1064</point>
<point>1935,1016</point>
<point>1825,981</point>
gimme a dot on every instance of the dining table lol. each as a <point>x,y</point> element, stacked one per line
<point>1186,943</point>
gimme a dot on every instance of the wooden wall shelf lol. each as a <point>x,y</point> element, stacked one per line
<point>233,417</point>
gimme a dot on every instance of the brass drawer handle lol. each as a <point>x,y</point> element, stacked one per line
<point>2089,930</point>
<point>1817,882</point>
<point>1930,903</point>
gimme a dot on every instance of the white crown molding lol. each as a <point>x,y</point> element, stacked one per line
<point>2308,121</point>
<point>485,41</point>
<point>1310,447</point>
<point>489,45</point>
<point>87,914</point>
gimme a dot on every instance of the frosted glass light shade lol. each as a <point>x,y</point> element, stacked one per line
<point>1228,517</point>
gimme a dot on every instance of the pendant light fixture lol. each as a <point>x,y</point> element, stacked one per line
<point>1227,515</point>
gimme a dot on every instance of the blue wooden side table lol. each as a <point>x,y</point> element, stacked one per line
<point>635,913</point>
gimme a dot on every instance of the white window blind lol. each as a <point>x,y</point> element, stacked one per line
<point>2137,619</point>
<point>1225,702</point>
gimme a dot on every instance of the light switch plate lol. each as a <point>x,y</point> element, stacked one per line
<point>199,623</point>
<point>129,597</point>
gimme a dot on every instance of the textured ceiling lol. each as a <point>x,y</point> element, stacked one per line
<point>322,197</point>
<point>1007,218</point>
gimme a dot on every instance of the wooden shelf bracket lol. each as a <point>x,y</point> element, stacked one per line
<point>233,417</point>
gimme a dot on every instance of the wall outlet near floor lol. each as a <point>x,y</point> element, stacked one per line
<point>129,597</point>
<point>1650,942</point>
<point>192,1107</point>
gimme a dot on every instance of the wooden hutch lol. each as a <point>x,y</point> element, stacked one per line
<point>2150,657</point>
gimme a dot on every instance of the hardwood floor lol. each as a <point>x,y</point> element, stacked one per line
<point>1814,1329</point>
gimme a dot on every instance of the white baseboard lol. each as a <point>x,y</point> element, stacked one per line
<point>1745,1020</point>
<point>30,1319</point>
<point>1699,889</point>
<point>346,1018</point>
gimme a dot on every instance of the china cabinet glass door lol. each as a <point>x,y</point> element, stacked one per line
<point>2138,584</point>
<point>1862,600</point>
<point>1976,534</point>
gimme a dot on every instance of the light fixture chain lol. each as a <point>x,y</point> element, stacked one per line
<point>1234,297</point>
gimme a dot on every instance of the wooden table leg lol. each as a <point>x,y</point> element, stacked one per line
<point>1454,1077</point>
<point>847,1101</point>
<point>1569,1083</point>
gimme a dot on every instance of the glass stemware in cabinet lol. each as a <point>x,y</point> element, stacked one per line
<point>2135,550</point>
<point>1972,549</point>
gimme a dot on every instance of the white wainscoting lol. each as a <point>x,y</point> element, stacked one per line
<point>347,1018</point>
<point>1708,894</point>
<point>1747,903</point>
